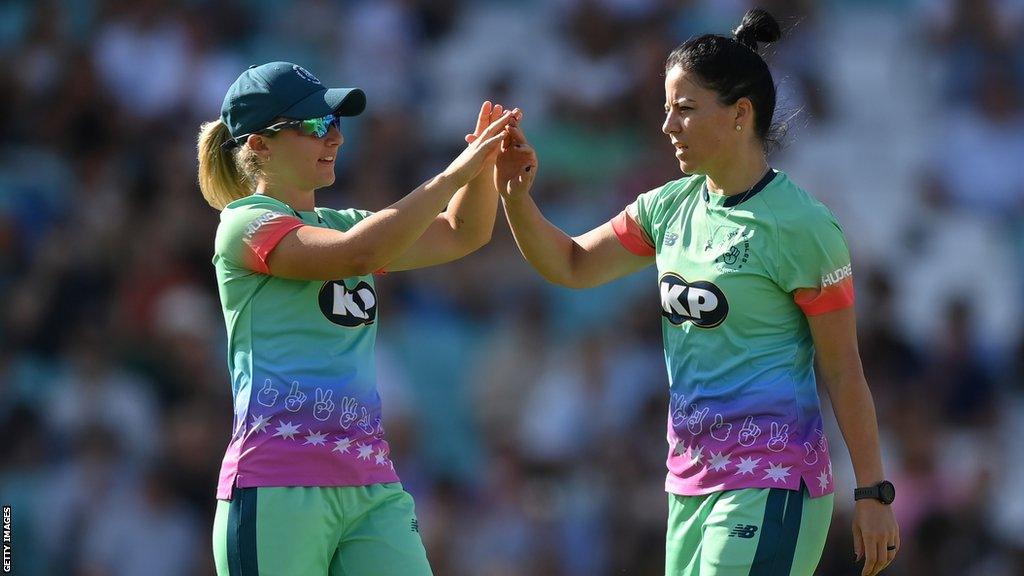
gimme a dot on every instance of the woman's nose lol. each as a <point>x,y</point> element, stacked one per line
<point>335,137</point>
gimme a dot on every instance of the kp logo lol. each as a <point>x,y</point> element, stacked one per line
<point>348,308</point>
<point>699,302</point>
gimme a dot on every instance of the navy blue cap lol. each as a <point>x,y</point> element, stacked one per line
<point>282,89</point>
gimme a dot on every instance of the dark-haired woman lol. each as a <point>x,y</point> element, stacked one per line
<point>754,281</point>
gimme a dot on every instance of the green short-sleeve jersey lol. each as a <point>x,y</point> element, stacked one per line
<point>301,358</point>
<point>737,277</point>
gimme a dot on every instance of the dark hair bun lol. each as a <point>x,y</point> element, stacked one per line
<point>757,26</point>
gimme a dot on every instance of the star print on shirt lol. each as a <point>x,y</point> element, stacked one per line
<point>679,449</point>
<point>364,451</point>
<point>315,438</point>
<point>259,424</point>
<point>697,455</point>
<point>719,462</point>
<point>342,445</point>
<point>823,479</point>
<point>747,466</point>
<point>777,473</point>
<point>380,457</point>
<point>287,430</point>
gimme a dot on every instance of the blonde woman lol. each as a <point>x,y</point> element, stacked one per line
<point>307,487</point>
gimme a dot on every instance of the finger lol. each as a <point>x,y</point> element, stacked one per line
<point>470,138</point>
<point>492,142</point>
<point>496,112</point>
<point>484,118</point>
<point>881,555</point>
<point>497,126</point>
<point>295,388</point>
<point>870,556</point>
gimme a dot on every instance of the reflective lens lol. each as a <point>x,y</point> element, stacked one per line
<point>319,127</point>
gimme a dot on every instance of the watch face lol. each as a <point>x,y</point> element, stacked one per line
<point>886,492</point>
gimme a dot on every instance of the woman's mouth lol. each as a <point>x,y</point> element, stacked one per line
<point>326,160</point>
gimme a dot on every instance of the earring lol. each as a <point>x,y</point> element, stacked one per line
<point>738,127</point>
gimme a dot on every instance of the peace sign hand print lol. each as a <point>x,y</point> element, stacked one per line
<point>749,432</point>
<point>295,399</point>
<point>324,405</point>
<point>720,429</point>
<point>779,438</point>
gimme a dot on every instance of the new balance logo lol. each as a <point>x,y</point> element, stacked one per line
<point>415,526</point>
<point>743,531</point>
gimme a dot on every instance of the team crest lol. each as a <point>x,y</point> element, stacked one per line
<point>731,247</point>
<point>305,74</point>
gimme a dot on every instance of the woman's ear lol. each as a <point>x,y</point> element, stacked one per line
<point>258,144</point>
<point>744,113</point>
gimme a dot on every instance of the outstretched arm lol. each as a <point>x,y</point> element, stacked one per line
<point>314,253</point>
<point>584,261</point>
<point>469,220</point>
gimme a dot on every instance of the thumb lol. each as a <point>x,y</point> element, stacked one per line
<point>858,542</point>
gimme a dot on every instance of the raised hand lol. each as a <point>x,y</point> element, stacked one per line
<point>516,166</point>
<point>749,432</point>
<point>468,164</point>
<point>324,406</point>
<point>696,422</point>
<point>295,399</point>
<point>779,438</point>
<point>267,395</point>
<point>720,429</point>
<point>348,412</point>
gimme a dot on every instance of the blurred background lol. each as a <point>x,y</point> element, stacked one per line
<point>528,421</point>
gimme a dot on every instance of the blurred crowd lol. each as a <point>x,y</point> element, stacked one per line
<point>527,420</point>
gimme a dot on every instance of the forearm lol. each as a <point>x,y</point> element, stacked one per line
<point>472,210</point>
<point>389,232</point>
<point>855,411</point>
<point>545,246</point>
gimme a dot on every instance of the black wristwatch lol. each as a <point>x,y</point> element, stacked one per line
<point>884,492</point>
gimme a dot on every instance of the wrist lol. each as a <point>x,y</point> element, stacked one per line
<point>883,492</point>
<point>447,181</point>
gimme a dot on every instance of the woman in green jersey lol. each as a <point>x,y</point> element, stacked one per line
<point>754,282</point>
<point>307,487</point>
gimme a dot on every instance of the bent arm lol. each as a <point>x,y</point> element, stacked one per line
<point>462,229</point>
<point>584,261</point>
<point>313,253</point>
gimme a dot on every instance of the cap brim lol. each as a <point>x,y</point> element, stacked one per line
<point>337,101</point>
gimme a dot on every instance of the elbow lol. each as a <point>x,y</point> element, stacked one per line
<point>361,265</point>
<point>479,241</point>
<point>567,281</point>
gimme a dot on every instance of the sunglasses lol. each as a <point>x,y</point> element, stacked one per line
<point>317,127</point>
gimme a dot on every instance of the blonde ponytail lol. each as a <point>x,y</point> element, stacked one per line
<point>224,175</point>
